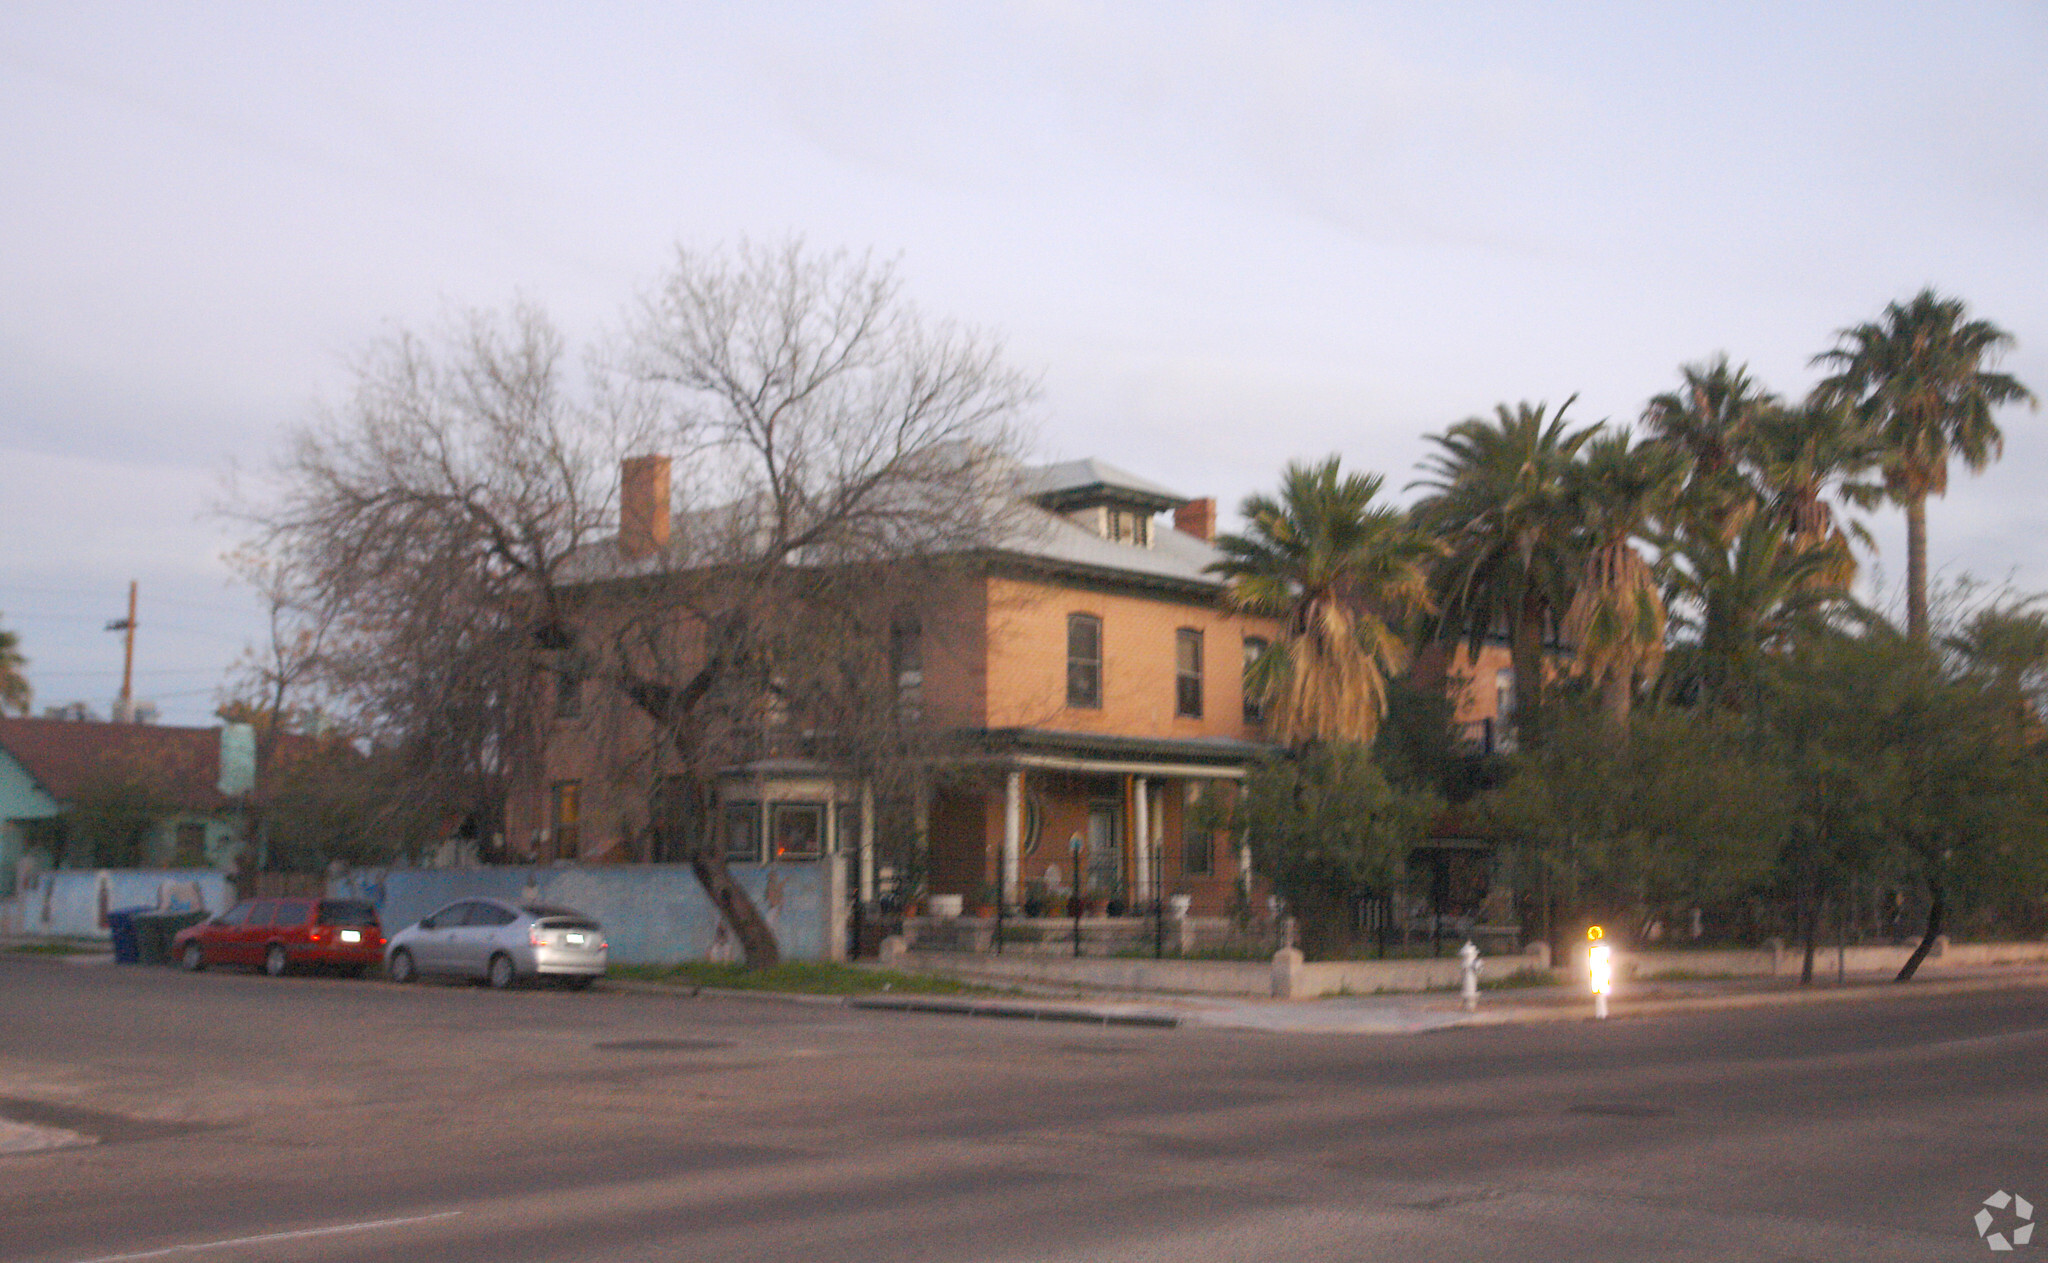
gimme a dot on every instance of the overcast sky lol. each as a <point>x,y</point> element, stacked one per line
<point>1227,235</point>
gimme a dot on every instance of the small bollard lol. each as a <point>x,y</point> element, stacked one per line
<point>1469,965</point>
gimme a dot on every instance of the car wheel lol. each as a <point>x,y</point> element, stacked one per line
<point>192,958</point>
<point>578,982</point>
<point>274,961</point>
<point>402,969</point>
<point>501,974</point>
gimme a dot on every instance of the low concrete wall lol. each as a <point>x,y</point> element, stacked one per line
<point>1369,977</point>
<point>653,914</point>
<point>73,903</point>
<point>1783,961</point>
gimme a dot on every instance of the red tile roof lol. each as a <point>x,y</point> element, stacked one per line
<point>65,754</point>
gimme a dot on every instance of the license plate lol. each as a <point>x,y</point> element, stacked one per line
<point>574,940</point>
<point>351,936</point>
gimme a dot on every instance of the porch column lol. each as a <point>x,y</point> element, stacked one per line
<point>1141,837</point>
<point>867,842</point>
<point>1013,833</point>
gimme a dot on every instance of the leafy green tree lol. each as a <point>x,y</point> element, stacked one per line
<point>1944,770</point>
<point>1681,813</point>
<point>1339,573</point>
<point>1501,501</point>
<point>1919,376</point>
<point>1615,623</point>
<point>15,693</point>
<point>1326,828</point>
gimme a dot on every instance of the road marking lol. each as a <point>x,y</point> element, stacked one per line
<point>195,1247</point>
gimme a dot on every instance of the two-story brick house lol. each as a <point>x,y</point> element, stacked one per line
<point>1083,675</point>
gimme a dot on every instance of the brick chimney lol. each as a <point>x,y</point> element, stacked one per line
<point>1197,518</point>
<point>643,506</point>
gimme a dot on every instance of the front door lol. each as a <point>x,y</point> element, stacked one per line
<point>1105,852</point>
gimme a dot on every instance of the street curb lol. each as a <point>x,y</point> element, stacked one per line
<point>1018,1012</point>
<point>1620,1008</point>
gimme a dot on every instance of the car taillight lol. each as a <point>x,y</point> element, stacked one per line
<point>536,937</point>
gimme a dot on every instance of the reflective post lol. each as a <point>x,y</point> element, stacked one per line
<point>1599,970</point>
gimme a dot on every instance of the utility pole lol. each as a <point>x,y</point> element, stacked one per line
<point>124,711</point>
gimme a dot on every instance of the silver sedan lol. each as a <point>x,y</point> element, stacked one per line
<point>501,943</point>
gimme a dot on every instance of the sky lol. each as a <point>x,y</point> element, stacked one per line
<point>1225,236</point>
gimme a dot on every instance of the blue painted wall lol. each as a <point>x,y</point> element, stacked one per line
<point>653,914</point>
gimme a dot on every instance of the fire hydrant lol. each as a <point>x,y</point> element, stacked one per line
<point>1468,975</point>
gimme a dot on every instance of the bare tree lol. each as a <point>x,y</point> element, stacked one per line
<point>455,521</point>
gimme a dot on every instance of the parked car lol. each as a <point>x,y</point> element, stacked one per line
<point>501,943</point>
<point>276,935</point>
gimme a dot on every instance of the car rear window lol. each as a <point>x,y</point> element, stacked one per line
<point>567,923</point>
<point>548,910</point>
<point>347,912</point>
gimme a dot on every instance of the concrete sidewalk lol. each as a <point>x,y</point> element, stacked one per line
<point>1416,1013</point>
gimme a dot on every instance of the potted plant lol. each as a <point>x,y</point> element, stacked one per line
<point>1037,899</point>
<point>985,896</point>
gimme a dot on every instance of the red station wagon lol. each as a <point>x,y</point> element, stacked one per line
<point>277,934</point>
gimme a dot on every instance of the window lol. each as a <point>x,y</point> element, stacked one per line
<point>569,678</point>
<point>743,833</point>
<point>490,915</point>
<point>906,664</point>
<point>1187,672</point>
<point>1084,660</point>
<point>347,912</point>
<point>1254,704</point>
<point>261,912</point>
<point>565,813</point>
<point>1130,525</point>
<point>292,912</point>
<point>237,915</point>
<point>799,830</point>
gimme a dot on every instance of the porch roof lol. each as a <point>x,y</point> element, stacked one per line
<point>1210,756</point>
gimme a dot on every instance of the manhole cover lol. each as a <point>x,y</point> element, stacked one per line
<point>1621,1111</point>
<point>662,1045</point>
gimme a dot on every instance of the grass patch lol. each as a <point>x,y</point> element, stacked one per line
<point>798,976</point>
<point>1689,975</point>
<point>57,949</point>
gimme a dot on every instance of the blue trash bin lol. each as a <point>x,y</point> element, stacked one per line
<point>121,925</point>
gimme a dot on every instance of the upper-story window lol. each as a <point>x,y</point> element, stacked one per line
<point>1130,526</point>
<point>906,665</point>
<point>1187,672</point>
<point>1084,660</point>
<point>1254,704</point>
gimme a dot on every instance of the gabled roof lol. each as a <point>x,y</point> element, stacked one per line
<point>65,755</point>
<point>1090,481</point>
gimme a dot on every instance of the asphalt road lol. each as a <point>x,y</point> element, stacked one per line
<point>238,1117</point>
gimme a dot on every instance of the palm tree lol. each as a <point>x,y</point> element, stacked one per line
<point>1503,506</point>
<point>1795,457</point>
<point>1918,376</point>
<point>14,690</point>
<point>1616,619</point>
<point>1337,573</point>
<point>1709,419</point>
<point>1742,601</point>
